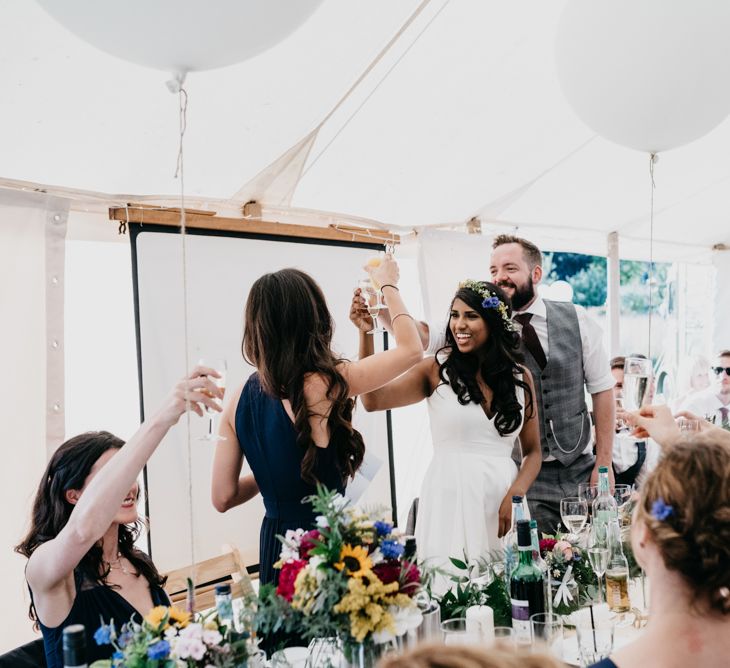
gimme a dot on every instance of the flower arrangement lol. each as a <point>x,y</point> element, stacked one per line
<point>572,580</point>
<point>172,638</point>
<point>489,300</point>
<point>348,579</point>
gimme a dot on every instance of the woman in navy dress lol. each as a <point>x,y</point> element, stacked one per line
<point>83,567</point>
<point>292,419</point>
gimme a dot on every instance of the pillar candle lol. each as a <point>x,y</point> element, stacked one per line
<point>480,621</point>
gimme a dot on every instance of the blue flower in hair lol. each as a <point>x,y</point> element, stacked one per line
<point>490,302</point>
<point>660,510</point>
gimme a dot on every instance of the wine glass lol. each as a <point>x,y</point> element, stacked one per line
<point>598,556</point>
<point>574,512</point>
<point>588,493</point>
<point>221,366</point>
<point>637,378</point>
<point>622,494</point>
<point>373,303</point>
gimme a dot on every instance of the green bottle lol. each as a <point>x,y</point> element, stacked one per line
<point>527,587</point>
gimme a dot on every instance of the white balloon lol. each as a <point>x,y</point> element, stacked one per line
<point>561,291</point>
<point>648,74</point>
<point>181,35</point>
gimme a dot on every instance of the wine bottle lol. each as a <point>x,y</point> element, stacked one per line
<point>510,540</point>
<point>74,646</point>
<point>409,553</point>
<point>617,572</point>
<point>604,507</point>
<point>527,589</point>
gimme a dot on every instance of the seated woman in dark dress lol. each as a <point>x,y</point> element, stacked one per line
<point>681,536</point>
<point>292,420</point>
<point>82,564</point>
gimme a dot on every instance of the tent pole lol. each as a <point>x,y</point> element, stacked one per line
<point>613,301</point>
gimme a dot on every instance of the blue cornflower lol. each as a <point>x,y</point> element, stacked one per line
<point>490,302</point>
<point>124,638</point>
<point>660,510</point>
<point>160,650</point>
<point>391,549</point>
<point>117,656</point>
<point>383,528</point>
<point>105,634</point>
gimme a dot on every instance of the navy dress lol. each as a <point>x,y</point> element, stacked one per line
<point>93,603</point>
<point>268,440</point>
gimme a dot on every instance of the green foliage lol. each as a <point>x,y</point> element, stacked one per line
<point>473,591</point>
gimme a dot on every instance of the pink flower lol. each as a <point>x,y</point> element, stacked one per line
<point>289,572</point>
<point>309,542</point>
<point>565,548</point>
<point>546,545</point>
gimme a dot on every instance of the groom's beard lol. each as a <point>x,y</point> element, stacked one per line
<point>522,294</point>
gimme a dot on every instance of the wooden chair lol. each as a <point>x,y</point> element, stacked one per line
<point>226,569</point>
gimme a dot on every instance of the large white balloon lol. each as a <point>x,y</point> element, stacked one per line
<point>648,74</point>
<point>181,35</point>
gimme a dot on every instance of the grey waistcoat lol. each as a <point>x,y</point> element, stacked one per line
<point>565,427</point>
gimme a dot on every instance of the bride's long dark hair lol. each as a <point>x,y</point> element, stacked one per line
<point>287,336</point>
<point>68,469</point>
<point>499,362</point>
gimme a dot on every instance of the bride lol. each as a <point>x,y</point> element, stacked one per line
<point>481,401</point>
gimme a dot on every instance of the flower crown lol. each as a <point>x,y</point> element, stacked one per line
<point>489,300</point>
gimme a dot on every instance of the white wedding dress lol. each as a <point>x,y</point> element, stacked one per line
<point>466,481</point>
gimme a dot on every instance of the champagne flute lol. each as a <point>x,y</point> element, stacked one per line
<point>574,512</point>
<point>637,378</point>
<point>221,367</point>
<point>598,556</point>
<point>373,303</point>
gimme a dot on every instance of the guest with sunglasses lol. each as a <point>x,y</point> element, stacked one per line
<point>714,403</point>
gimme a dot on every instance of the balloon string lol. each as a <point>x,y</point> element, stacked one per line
<point>652,161</point>
<point>180,173</point>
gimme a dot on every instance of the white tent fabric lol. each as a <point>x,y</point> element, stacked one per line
<point>462,116</point>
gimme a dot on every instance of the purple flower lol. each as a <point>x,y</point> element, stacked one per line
<point>660,510</point>
<point>160,650</point>
<point>104,634</point>
<point>490,302</point>
<point>383,528</point>
<point>391,549</point>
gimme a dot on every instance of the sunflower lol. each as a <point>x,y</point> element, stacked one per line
<point>179,618</point>
<point>355,560</point>
<point>157,617</point>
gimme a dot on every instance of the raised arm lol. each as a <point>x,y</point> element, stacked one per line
<point>531,460</point>
<point>52,564</point>
<point>229,488</point>
<point>376,370</point>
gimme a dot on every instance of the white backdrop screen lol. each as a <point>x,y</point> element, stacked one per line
<point>220,270</point>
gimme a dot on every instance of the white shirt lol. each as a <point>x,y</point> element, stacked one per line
<point>596,368</point>
<point>706,403</point>
<point>625,454</point>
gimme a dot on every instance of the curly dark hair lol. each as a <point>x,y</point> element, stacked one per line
<point>287,336</point>
<point>68,469</point>
<point>499,363</point>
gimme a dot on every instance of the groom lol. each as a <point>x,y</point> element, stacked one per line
<point>564,351</point>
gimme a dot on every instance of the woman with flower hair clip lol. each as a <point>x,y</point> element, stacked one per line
<point>681,537</point>
<point>481,401</point>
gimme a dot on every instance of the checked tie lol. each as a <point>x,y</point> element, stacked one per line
<point>725,422</point>
<point>529,337</point>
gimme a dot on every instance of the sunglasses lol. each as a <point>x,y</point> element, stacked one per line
<point>719,369</point>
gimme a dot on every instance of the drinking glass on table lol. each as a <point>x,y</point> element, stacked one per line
<point>595,639</point>
<point>504,637</point>
<point>547,631</point>
<point>598,555</point>
<point>637,379</point>
<point>622,494</point>
<point>574,512</point>
<point>220,365</point>
<point>455,632</point>
<point>373,302</point>
<point>588,493</point>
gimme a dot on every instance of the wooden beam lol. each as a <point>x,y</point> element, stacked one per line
<point>207,220</point>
